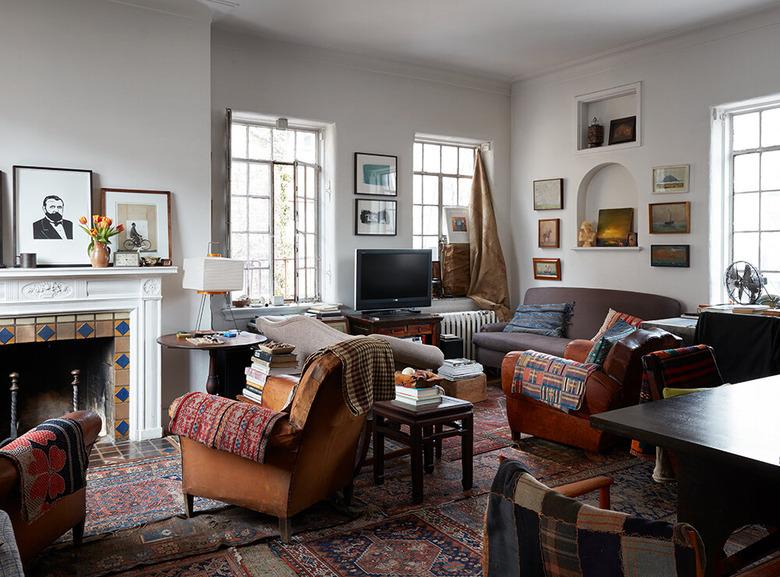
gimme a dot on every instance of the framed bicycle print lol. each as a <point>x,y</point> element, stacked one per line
<point>146,215</point>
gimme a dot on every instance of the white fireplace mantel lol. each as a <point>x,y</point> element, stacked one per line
<point>137,290</point>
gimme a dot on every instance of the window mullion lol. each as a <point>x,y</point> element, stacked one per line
<point>296,248</point>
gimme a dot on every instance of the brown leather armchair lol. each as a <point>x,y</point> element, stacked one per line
<point>68,513</point>
<point>310,454</point>
<point>616,385</point>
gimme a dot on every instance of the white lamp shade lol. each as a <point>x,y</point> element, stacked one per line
<point>213,274</point>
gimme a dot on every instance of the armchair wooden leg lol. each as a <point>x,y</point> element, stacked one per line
<point>189,504</point>
<point>285,529</point>
<point>78,534</point>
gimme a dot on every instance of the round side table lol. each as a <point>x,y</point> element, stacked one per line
<point>244,340</point>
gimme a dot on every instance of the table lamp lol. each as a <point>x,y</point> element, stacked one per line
<point>212,275</point>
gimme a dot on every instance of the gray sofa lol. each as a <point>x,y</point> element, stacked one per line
<point>590,309</point>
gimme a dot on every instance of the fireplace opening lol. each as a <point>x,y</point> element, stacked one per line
<point>44,382</point>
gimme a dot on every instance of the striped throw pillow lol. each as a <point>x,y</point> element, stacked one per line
<point>613,317</point>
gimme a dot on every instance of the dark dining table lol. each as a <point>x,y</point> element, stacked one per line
<point>726,444</point>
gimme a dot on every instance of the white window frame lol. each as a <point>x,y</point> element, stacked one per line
<point>440,175</point>
<point>254,264</point>
<point>722,189</point>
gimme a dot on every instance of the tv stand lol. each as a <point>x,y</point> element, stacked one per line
<point>402,324</point>
<point>390,312</point>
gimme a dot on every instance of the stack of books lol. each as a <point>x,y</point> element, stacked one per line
<point>270,358</point>
<point>324,311</point>
<point>418,397</point>
<point>459,369</point>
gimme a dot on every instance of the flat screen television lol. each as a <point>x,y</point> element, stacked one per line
<point>387,279</point>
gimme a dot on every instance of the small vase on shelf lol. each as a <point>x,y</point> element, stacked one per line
<point>100,232</point>
<point>99,255</point>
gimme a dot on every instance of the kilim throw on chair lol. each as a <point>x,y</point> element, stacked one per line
<point>558,382</point>
<point>224,424</point>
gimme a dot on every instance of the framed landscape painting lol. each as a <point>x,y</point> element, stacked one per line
<point>48,203</point>
<point>670,218</point>
<point>548,194</point>
<point>376,174</point>
<point>614,226</point>
<point>670,255</point>
<point>671,179</point>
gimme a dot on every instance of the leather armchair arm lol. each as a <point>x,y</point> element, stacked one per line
<point>508,371</point>
<point>578,350</point>
<point>284,435</point>
<point>602,393</point>
<point>91,424</point>
<point>493,328</point>
<point>277,391</point>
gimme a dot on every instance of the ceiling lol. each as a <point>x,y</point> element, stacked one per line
<point>500,39</point>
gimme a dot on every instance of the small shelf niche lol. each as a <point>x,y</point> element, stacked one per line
<point>607,185</point>
<point>608,105</point>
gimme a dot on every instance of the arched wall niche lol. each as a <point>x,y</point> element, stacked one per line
<point>607,185</point>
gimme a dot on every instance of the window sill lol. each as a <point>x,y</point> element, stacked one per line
<point>248,313</point>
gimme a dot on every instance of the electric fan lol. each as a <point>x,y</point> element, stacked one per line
<point>744,283</point>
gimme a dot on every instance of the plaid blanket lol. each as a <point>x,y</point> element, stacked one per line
<point>532,530</point>
<point>367,370</point>
<point>224,424</point>
<point>558,382</point>
<point>52,463</point>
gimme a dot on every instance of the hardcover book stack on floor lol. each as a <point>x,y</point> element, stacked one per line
<point>270,358</point>
<point>458,369</point>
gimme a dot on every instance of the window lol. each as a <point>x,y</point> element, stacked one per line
<point>273,215</point>
<point>442,177</point>
<point>755,191</point>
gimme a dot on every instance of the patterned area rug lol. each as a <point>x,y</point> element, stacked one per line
<point>130,495</point>
<point>136,525</point>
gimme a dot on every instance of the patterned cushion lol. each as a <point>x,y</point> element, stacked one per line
<point>549,320</point>
<point>613,334</point>
<point>558,382</point>
<point>614,316</point>
<point>532,530</point>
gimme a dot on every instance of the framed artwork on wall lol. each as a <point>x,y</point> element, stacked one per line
<point>146,215</point>
<point>375,217</point>
<point>614,226</point>
<point>670,255</point>
<point>549,233</point>
<point>671,179</point>
<point>48,203</point>
<point>622,130</point>
<point>547,268</point>
<point>456,224</point>
<point>670,218</point>
<point>376,174</point>
<point>548,194</point>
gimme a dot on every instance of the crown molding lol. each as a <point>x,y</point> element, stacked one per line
<point>746,23</point>
<point>190,9</point>
<point>229,36</point>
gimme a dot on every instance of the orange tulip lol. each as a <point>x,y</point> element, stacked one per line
<point>120,227</point>
<point>109,221</point>
<point>83,220</point>
<point>95,217</point>
<point>93,232</point>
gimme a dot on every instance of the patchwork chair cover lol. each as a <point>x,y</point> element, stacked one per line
<point>533,531</point>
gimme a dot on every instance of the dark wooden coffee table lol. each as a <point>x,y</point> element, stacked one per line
<point>727,443</point>
<point>427,427</point>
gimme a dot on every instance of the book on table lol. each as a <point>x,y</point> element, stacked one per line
<point>252,394</point>
<point>418,397</point>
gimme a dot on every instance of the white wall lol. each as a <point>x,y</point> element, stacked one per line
<point>682,79</point>
<point>124,91</point>
<point>372,107</point>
